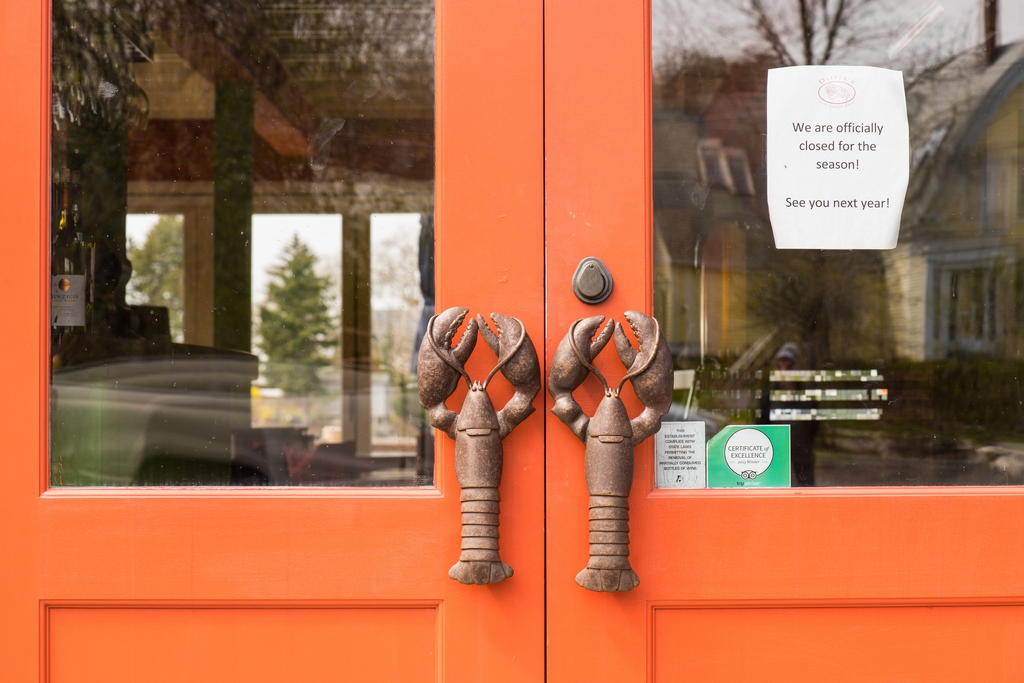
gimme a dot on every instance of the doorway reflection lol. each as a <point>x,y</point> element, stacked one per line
<point>222,176</point>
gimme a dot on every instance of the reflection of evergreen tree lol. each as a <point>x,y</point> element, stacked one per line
<point>296,325</point>
<point>157,271</point>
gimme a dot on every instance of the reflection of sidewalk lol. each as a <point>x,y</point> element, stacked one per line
<point>989,466</point>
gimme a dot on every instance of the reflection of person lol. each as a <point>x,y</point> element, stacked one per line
<point>802,432</point>
<point>425,440</point>
<point>426,266</point>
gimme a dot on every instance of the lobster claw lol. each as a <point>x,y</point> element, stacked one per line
<point>583,334</point>
<point>517,360</point>
<point>649,370</point>
<point>440,366</point>
<point>567,372</point>
<point>570,367</point>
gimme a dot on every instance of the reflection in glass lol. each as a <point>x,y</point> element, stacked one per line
<point>893,367</point>
<point>242,241</point>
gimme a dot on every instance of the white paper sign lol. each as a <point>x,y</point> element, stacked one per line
<point>681,456</point>
<point>838,156</point>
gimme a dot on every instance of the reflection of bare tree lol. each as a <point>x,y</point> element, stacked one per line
<point>830,302</point>
<point>396,286</point>
<point>386,47</point>
<point>792,31</point>
<point>914,38</point>
<point>815,31</point>
<point>709,93</point>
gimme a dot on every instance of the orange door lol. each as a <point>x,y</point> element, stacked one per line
<point>798,584</point>
<point>175,583</point>
<point>547,151</point>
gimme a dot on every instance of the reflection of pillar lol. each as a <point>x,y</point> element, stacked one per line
<point>198,273</point>
<point>723,260</point>
<point>232,215</point>
<point>355,330</point>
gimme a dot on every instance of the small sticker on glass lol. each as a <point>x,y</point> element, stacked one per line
<point>749,456</point>
<point>67,300</point>
<point>680,456</point>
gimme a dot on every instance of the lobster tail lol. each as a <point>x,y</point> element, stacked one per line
<point>608,569</point>
<point>479,562</point>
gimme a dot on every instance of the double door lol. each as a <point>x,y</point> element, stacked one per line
<point>545,155</point>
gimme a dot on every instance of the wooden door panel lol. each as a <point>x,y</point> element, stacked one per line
<point>830,543</point>
<point>227,546</point>
<point>925,644</point>
<point>153,644</point>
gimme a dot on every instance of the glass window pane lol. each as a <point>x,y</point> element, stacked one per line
<point>892,367</point>
<point>242,223</point>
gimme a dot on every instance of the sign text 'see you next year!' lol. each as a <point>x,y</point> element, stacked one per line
<point>838,156</point>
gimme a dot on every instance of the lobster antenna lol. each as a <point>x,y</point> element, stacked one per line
<point>580,358</point>
<point>503,361</point>
<point>633,373</point>
<point>446,356</point>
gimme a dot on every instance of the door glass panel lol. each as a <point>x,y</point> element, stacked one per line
<point>892,367</point>
<point>242,241</point>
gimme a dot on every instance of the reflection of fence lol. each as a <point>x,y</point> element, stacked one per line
<point>736,394</point>
<point>806,395</point>
<point>960,408</point>
<point>290,456</point>
<point>384,443</point>
<point>825,376</point>
<point>830,396</point>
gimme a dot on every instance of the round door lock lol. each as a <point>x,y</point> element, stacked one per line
<point>592,283</point>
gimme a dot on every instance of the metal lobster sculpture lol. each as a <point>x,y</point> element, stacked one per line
<point>478,429</point>
<point>610,434</point>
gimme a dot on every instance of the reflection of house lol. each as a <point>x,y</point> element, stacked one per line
<point>953,284</point>
<point>954,280</point>
<point>708,127</point>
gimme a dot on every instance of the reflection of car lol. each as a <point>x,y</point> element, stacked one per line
<point>282,456</point>
<point>150,419</point>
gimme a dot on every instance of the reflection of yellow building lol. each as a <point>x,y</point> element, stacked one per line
<point>954,280</point>
<point>953,286</point>
<point>706,196</point>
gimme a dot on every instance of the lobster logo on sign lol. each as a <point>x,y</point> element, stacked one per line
<point>836,92</point>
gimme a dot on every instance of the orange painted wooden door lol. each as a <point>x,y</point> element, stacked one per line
<point>174,584</point>
<point>833,584</point>
<point>544,156</point>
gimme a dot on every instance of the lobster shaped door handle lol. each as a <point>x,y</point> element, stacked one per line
<point>610,434</point>
<point>478,429</point>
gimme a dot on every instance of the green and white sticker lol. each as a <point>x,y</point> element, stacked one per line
<point>749,456</point>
